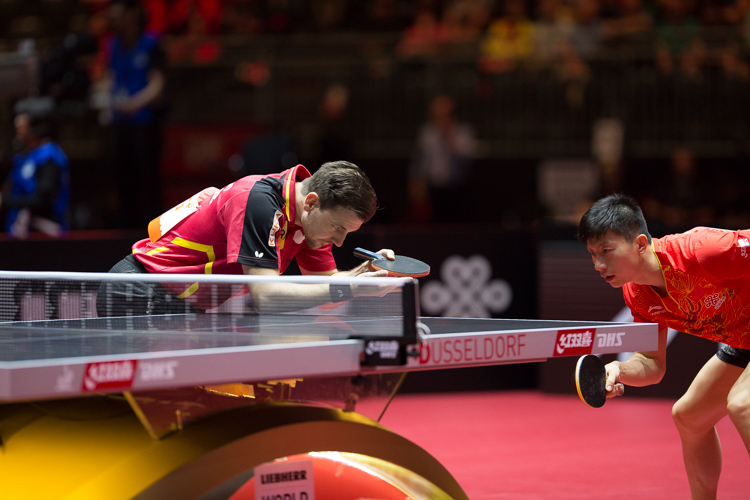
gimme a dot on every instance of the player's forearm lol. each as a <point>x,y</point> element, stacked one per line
<point>641,370</point>
<point>356,271</point>
<point>286,297</point>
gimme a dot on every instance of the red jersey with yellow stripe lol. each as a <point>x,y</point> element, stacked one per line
<point>250,222</point>
<point>707,273</point>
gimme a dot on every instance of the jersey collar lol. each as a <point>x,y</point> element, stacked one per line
<point>291,176</point>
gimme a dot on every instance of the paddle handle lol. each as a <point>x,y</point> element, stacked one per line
<point>366,254</point>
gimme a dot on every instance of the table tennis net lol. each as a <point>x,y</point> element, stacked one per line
<point>51,296</point>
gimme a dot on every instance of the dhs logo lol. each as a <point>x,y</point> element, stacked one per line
<point>612,339</point>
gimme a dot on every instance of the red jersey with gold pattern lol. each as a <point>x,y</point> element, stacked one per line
<point>250,222</point>
<point>707,273</point>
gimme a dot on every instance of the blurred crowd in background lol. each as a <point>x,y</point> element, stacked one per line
<point>684,35</point>
<point>459,108</point>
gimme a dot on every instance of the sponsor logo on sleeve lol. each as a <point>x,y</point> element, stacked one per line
<point>274,229</point>
<point>743,243</point>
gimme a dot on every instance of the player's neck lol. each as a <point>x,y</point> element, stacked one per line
<point>299,203</point>
<point>652,273</point>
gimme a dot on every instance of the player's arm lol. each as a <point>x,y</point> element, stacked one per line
<point>364,269</point>
<point>642,368</point>
<point>279,297</point>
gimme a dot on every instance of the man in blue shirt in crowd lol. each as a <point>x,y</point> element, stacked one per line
<point>136,82</point>
<point>36,194</point>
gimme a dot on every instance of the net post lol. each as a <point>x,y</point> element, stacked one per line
<point>410,309</point>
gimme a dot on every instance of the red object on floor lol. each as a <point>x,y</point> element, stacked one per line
<point>331,476</point>
<point>532,445</point>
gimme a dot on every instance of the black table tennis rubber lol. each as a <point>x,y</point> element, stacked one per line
<point>401,266</point>
<point>591,380</point>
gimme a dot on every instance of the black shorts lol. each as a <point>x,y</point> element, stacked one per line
<point>136,298</point>
<point>734,356</point>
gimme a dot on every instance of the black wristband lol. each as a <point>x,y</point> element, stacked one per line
<point>340,293</point>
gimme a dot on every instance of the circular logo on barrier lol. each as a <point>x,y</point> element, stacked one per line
<point>466,290</point>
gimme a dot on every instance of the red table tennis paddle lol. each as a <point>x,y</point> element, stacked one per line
<point>591,380</point>
<point>402,266</point>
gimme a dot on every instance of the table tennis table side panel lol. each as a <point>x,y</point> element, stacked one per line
<point>168,369</point>
<point>518,346</point>
<point>75,377</point>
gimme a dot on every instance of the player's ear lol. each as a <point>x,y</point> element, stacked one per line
<point>311,201</point>
<point>641,242</point>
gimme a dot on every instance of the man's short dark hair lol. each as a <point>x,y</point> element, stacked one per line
<point>343,184</point>
<point>618,213</point>
<point>40,112</point>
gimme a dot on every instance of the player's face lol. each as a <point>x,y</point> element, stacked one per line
<point>322,227</point>
<point>616,259</point>
<point>23,129</point>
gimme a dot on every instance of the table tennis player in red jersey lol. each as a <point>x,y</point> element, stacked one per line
<point>256,225</point>
<point>696,282</point>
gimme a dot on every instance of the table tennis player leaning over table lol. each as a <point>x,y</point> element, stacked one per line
<point>696,282</point>
<point>256,225</point>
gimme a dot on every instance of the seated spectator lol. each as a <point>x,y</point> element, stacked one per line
<point>384,16</point>
<point>574,72</point>
<point>554,54</point>
<point>427,36</point>
<point>466,20</point>
<point>732,63</point>
<point>244,18</point>
<point>719,22</point>
<point>630,27</point>
<point>553,28</point>
<point>589,32</point>
<point>194,16</point>
<point>509,40</point>
<point>743,22</point>
<point>677,36</point>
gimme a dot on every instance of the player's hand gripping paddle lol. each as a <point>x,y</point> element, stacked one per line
<point>591,381</point>
<point>402,266</point>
